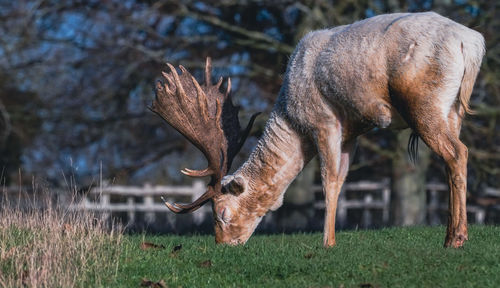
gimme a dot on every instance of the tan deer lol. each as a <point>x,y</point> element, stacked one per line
<point>389,71</point>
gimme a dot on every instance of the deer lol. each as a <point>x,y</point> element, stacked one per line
<point>393,71</point>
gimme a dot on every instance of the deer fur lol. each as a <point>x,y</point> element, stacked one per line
<point>411,70</point>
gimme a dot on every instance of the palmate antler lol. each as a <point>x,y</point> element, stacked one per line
<point>208,119</point>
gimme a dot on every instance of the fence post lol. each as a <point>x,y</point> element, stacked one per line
<point>148,203</point>
<point>341,210</point>
<point>86,203</point>
<point>433,208</point>
<point>480,215</point>
<point>105,205</point>
<point>198,189</point>
<point>386,199</point>
<point>367,214</point>
<point>130,210</point>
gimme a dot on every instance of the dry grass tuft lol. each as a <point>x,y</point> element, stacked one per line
<point>51,247</point>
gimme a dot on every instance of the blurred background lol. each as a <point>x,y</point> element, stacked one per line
<point>76,81</point>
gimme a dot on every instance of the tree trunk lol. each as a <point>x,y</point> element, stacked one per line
<point>408,183</point>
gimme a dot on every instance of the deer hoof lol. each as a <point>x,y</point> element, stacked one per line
<point>457,241</point>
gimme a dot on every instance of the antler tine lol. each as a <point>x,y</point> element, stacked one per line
<point>202,99</point>
<point>246,132</point>
<point>186,208</point>
<point>170,82</point>
<point>208,71</point>
<point>183,69</point>
<point>219,83</point>
<point>180,90</point>
<point>228,90</point>
<point>208,74</point>
<point>197,173</point>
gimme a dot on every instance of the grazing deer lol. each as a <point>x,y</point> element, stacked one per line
<point>389,71</point>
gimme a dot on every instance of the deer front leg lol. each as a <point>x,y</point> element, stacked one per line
<point>334,162</point>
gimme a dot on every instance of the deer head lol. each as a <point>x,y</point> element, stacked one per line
<point>209,120</point>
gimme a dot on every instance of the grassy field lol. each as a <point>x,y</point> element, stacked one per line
<point>53,248</point>
<point>56,248</point>
<point>397,257</point>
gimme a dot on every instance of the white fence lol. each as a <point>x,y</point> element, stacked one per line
<point>375,196</point>
<point>435,206</point>
<point>372,198</point>
<point>144,199</point>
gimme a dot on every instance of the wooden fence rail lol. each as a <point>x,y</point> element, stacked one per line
<point>142,199</point>
<point>369,197</point>
<point>376,196</point>
<point>435,206</point>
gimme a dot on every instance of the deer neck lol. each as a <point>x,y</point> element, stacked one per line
<point>278,158</point>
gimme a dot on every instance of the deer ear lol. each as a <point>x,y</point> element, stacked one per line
<point>236,186</point>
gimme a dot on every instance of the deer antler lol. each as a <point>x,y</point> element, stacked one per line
<point>208,119</point>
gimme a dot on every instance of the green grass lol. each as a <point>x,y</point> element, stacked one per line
<point>53,249</point>
<point>397,257</point>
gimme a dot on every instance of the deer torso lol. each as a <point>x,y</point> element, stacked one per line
<point>350,72</point>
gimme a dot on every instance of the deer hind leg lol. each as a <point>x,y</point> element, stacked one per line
<point>456,233</point>
<point>334,163</point>
<point>441,135</point>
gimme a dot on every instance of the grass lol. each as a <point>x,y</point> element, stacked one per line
<point>396,257</point>
<point>53,248</point>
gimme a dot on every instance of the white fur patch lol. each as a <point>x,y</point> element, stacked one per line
<point>410,52</point>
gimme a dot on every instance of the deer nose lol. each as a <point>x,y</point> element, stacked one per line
<point>235,242</point>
